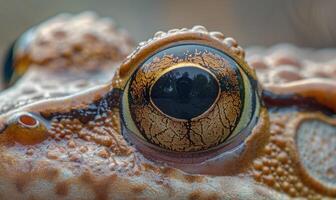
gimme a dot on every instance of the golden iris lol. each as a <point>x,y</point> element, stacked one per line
<point>189,97</point>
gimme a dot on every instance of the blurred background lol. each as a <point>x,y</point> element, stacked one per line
<point>305,23</point>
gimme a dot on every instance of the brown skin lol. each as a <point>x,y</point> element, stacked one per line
<point>79,152</point>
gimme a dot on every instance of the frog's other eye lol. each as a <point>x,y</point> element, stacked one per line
<point>13,70</point>
<point>189,92</point>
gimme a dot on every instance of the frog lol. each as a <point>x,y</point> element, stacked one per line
<point>188,114</point>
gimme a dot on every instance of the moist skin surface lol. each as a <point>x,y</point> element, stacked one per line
<point>62,137</point>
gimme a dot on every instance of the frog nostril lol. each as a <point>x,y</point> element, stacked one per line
<point>28,121</point>
<point>25,128</point>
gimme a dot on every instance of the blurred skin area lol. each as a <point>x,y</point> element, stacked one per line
<point>255,22</point>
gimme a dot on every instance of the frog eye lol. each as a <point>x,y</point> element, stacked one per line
<point>189,91</point>
<point>13,70</point>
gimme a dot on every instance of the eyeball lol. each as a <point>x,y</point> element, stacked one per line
<point>188,91</point>
<point>13,68</point>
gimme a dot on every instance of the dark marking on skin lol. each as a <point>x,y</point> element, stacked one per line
<point>100,186</point>
<point>167,171</point>
<point>51,174</point>
<point>32,198</point>
<point>62,188</point>
<point>296,102</point>
<point>194,179</point>
<point>21,182</point>
<point>108,102</point>
<point>138,188</point>
<point>200,195</point>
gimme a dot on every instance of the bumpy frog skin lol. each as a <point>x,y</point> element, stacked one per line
<point>66,134</point>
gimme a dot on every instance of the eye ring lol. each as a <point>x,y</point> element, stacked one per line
<point>139,63</point>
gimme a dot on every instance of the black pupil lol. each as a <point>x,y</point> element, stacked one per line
<point>185,92</point>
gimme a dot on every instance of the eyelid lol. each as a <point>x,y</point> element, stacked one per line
<point>197,34</point>
<point>214,162</point>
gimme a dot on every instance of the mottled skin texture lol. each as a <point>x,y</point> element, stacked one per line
<point>77,150</point>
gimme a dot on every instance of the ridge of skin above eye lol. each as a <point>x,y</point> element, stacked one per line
<point>69,125</point>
